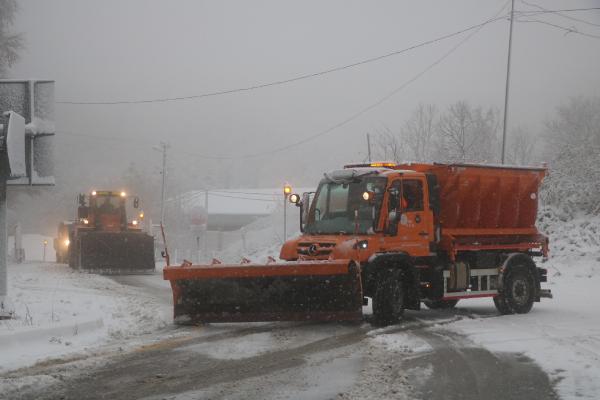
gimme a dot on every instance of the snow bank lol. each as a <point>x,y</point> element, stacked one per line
<point>571,236</point>
<point>59,312</point>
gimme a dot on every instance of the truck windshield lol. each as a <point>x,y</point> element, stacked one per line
<point>108,204</point>
<point>339,207</point>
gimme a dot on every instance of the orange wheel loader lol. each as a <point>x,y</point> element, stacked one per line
<point>401,235</point>
<point>105,241</point>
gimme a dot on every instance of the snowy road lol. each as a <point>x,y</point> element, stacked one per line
<point>309,361</point>
<point>467,353</point>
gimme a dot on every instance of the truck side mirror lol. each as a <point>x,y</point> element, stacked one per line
<point>136,202</point>
<point>81,199</point>
<point>304,205</point>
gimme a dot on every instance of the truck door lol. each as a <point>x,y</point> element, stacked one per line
<point>412,229</point>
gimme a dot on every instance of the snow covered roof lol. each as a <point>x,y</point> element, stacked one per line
<point>237,201</point>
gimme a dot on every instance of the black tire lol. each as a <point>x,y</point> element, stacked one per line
<point>501,306</point>
<point>518,293</point>
<point>388,301</point>
<point>440,304</point>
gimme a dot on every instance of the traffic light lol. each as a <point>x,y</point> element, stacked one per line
<point>27,113</point>
<point>287,189</point>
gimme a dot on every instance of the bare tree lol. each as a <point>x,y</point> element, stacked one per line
<point>10,43</point>
<point>419,132</point>
<point>521,147</point>
<point>389,146</point>
<point>467,134</point>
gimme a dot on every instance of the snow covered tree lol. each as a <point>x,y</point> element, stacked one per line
<point>10,43</point>
<point>573,148</point>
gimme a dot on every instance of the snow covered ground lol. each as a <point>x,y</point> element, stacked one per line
<point>560,334</point>
<point>61,312</point>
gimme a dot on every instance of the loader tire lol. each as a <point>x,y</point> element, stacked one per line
<point>518,293</point>
<point>388,301</point>
<point>440,304</point>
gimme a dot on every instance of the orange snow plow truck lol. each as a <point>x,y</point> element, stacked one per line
<point>401,235</point>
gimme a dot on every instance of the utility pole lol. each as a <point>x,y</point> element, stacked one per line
<point>5,312</point>
<point>512,11</point>
<point>163,148</point>
<point>287,190</point>
<point>369,146</point>
<point>205,236</point>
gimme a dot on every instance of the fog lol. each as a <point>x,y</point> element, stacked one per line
<point>111,51</point>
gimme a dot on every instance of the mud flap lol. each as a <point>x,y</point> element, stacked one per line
<point>116,252</point>
<point>324,291</point>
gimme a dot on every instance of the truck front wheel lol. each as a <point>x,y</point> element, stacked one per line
<point>518,293</point>
<point>388,302</point>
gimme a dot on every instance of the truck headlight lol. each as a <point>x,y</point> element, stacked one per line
<point>361,244</point>
<point>67,242</point>
<point>134,222</point>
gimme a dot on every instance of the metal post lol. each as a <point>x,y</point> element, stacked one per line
<point>44,255</point>
<point>19,252</point>
<point>512,8</point>
<point>205,236</point>
<point>164,182</point>
<point>284,217</point>
<point>4,311</point>
<point>369,146</point>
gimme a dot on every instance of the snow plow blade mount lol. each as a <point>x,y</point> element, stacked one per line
<point>295,291</point>
<point>115,253</point>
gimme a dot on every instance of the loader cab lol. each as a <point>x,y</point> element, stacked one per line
<point>107,210</point>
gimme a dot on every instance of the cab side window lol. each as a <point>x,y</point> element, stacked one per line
<point>412,191</point>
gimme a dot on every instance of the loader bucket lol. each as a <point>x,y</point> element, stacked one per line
<point>305,291</point>
<point>115,252</point>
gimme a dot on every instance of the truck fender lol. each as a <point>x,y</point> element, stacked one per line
<point>379,263</point>
<point>519,259</point>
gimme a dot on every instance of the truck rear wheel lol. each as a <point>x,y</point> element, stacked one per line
<point>388,302</point>
<point>518,293</point>
<point>440,304</point>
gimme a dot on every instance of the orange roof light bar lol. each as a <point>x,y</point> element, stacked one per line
<point>378,164</point>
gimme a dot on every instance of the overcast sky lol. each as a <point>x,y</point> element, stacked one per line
<point>114,50</point>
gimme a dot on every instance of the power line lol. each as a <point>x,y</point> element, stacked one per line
<point>356,115</point>
<point>284,81</point>
<point>568,30</point>
<point>366,109</point>
<point>545,10</point>
<point>558,12</point>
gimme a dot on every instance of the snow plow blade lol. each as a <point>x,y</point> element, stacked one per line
<point>114,253</point>
<point>294,291</point>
